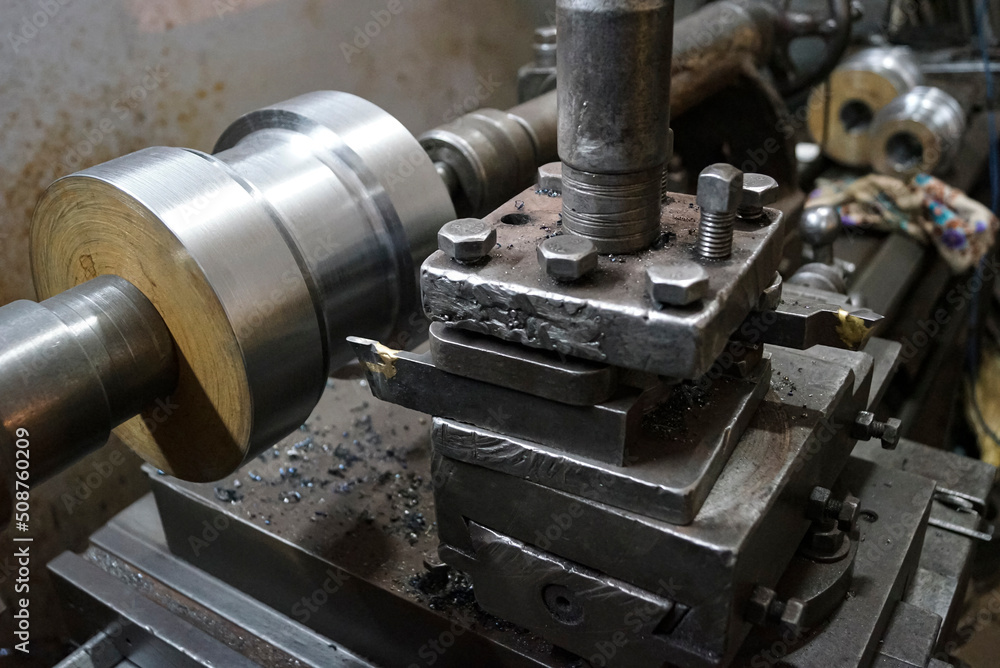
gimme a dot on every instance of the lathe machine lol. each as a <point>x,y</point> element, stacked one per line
<point>630,440</point>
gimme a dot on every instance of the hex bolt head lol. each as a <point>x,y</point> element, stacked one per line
<point>819,499</point>
<point>759,191</point>
<point>758,610</point>
<point>677,283</point>
<point>720,189</point>
<point>793,617</point>
<point>567,257</point>
<point>467,239</point>
<point>826,541</point>
<point>847,518</point>
<point>550,177</point>
<point>866,427</point>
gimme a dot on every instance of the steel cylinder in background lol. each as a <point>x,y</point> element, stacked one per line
<point>614,67</point>
<point>488,155</point>
<point>72,368</point>
<point>842,111</point>
<point>917,132</point>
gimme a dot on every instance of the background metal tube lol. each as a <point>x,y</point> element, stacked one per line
<point>917,132</point>
<point>74,367</point>
<point>614,68</point>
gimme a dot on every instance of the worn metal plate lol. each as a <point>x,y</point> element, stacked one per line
<point>539,372</point>
<point>602,432</point>
<point>668,471</point>
<point>943,575</point>
<point>607,316</point>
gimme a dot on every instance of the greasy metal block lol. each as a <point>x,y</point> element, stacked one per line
<point>745,533</point>
<point>606,316</point>
<point>668,471</point>
<point>602,432</point>
<point>710,632</point>
<point>807,317</point>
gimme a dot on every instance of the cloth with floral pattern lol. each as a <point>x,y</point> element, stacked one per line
<point>926,208</point>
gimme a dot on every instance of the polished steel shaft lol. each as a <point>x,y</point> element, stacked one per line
<point>74,367</point>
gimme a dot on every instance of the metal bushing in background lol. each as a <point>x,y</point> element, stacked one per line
<point>842,111</point>
<point>917,132</point>
<point>307,225</point>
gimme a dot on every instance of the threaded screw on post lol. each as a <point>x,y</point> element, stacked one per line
<point>715,235</point>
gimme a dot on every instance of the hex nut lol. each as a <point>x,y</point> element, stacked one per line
<point>758,609</point>
<point>720,189</point>
<point>677,283</point>
<point>567,257</point>
<point>467,239</point>
<point>550,177</point>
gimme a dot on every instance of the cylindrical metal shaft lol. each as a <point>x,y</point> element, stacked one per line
<point>614,110</point>
<point>487,156</point>
<point>309,222</point>
<point>73,368</point>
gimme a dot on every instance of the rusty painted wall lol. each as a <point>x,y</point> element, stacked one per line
<point>83,81</point>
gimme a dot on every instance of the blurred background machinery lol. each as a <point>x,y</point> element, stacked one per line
<point>697,301</point>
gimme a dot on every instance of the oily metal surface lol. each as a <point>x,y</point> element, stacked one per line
<point>345,504</point>
<point>607,316</point>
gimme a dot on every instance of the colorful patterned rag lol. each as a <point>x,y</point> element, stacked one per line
<point>929,210</point>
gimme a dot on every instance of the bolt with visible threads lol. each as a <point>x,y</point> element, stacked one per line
<point>828,511</point>
<point>720,191</point>
<point>866,427</point>
<point>545,46</point>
